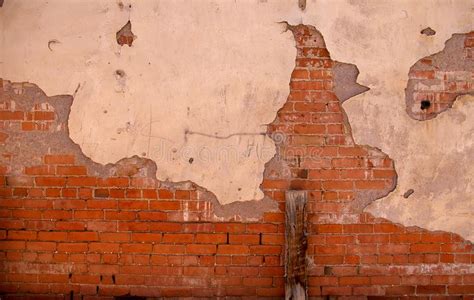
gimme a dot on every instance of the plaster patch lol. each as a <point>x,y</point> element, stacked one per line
<point>436,165</point>
<point>437,80</point>
<point>345,85</point>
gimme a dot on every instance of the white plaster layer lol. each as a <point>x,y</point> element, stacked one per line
<point>229,63</point>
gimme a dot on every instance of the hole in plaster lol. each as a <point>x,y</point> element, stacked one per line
<point>408,193</point>
<point>125,35</point>
<point>120,73</point>
<point>425,104</point>
<point>1,3</point>
<point>302,4</point>
<point>428,31</point>
<point>191,160</point>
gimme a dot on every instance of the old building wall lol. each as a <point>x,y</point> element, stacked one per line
<point>87,210</point>
<point>201,80</point>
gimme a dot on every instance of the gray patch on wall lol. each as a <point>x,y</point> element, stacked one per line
<point>453,63</point>
<point>345,81</point>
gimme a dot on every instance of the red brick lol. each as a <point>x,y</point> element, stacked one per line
<point>388,228</point>
<point>337,291</point>
<point>180,194</point>
<point>400,290</point>
<point>133,205</point>
<point>171,249</point>
<point>152,216</point>
<point>114,237</point>
<point>262,228</point>
<point>71,170</point>
<point>178,238</point>
<point>137,248</point>
<point>52,236</point>
<point>81,181</point>
<point>385,280</point>
<point>83,236</point>
<point>205,238</point>
<point>39,170</point>
<point>72,247</point>
<point>461,289</point>
<point>166,227</point>
<point>165,194</point>
<point>266,249</point>
<point>424,248</point>
<point>41,246</point>
<point>88,214</point>
<point>358,228</point>
<point>147,237</point>
<point>300,74</point>
<point>230,227</point>
<point>59,159</point>
<point>103,269</point>
<point>354,280</point>
<point>431,289</point>
<point>21,235</point>
<point>120,215</point>
<point>12,245</point>
<point>50,181</point>
<point>201,249</point>
<point>11,115</point>
<point>85,279</point>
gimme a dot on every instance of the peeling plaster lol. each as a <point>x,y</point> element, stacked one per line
<point>345,85</point>
<point>437,80</point>
<point>27,96</point>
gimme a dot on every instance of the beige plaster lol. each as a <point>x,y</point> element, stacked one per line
<point>230,63</point>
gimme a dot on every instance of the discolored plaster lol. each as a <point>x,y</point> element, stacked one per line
<point>437,80</point>
<point>345,81</point>
<point>428,31</point>
<point>26,148</point>
<point>125,35</point>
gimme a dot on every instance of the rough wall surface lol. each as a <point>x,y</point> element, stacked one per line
<point>443,187</point>
<point>76,228</point>
<point>437,80</point>
<point>191,65</point>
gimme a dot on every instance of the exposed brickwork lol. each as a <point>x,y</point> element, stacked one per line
<point>437,80</point>
<point>67,231</point>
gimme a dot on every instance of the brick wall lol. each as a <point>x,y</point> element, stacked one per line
<point>437,80</point>
<point>72,228</point>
